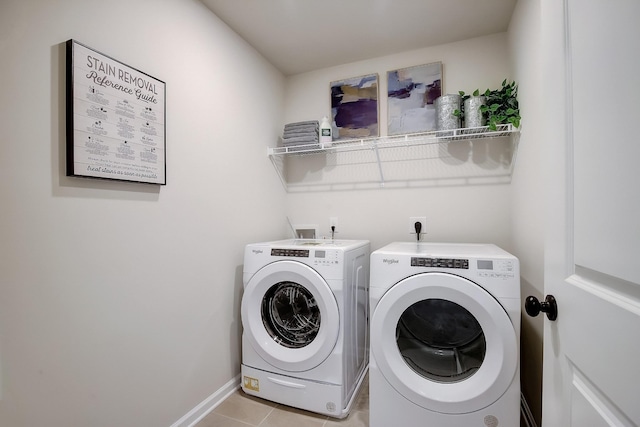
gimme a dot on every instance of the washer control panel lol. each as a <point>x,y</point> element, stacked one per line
<point>319,257</point>
<point>323,257</point>
<point>299,253</point>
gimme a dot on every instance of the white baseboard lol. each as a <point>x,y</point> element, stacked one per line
<point>209,404</point>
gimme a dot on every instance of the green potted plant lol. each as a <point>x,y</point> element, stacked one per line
<point>501,106</point>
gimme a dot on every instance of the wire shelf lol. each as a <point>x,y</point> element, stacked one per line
<point>457,156</point>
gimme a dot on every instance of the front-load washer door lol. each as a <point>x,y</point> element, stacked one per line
<point>290,316</point>
<point>444,343</point>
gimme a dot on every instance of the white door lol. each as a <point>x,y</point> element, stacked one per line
<point>592,252</point>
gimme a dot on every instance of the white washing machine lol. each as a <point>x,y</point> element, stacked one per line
<point>305,322</point>
<point>445,336</point>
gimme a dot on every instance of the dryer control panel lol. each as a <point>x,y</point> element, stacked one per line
<point>492,268</point>
<point>498,269</point>
<point>440,262</point>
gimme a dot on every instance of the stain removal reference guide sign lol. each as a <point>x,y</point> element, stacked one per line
<point>115,119</point>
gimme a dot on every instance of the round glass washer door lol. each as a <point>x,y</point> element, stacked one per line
<point>290,316</point>
<point>444,343</point>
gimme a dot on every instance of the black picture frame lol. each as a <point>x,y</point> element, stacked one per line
<point>116,119</point>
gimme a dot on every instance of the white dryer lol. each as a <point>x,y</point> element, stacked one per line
<point>445,336</point>
<point>305,322</point>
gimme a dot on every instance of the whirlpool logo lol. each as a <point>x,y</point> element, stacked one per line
<point>390,261</point>
<point>256,251</point>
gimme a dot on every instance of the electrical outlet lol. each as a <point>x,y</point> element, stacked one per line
<point>333,226</point>
<point>412,224</point>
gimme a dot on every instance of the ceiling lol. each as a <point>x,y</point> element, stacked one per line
<point>297,36</point>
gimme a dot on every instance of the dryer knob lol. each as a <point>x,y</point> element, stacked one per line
<point>549,306</point>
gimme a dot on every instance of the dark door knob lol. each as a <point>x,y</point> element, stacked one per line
<point>549,306</point>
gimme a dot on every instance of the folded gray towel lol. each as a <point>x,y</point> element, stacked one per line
<point>301,133</point>
<point>302,128</point>
<point>294,134</point>
<point>299,140</point>
<point>305,123</point>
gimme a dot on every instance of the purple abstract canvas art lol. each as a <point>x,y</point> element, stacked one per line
<point>354,107</point>
<point>411,93</point>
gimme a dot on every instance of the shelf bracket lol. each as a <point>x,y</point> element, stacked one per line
<point>375,147</point>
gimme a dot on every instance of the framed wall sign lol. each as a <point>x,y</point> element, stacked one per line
<point>115,119</point>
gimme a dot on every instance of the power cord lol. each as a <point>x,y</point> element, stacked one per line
<point>418,227</point>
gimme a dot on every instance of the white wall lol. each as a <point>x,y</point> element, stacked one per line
<point>119,302</point>
<point>527,189</point>
<point>458,213</point>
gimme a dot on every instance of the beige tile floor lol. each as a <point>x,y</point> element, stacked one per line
<point>242,410</point>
